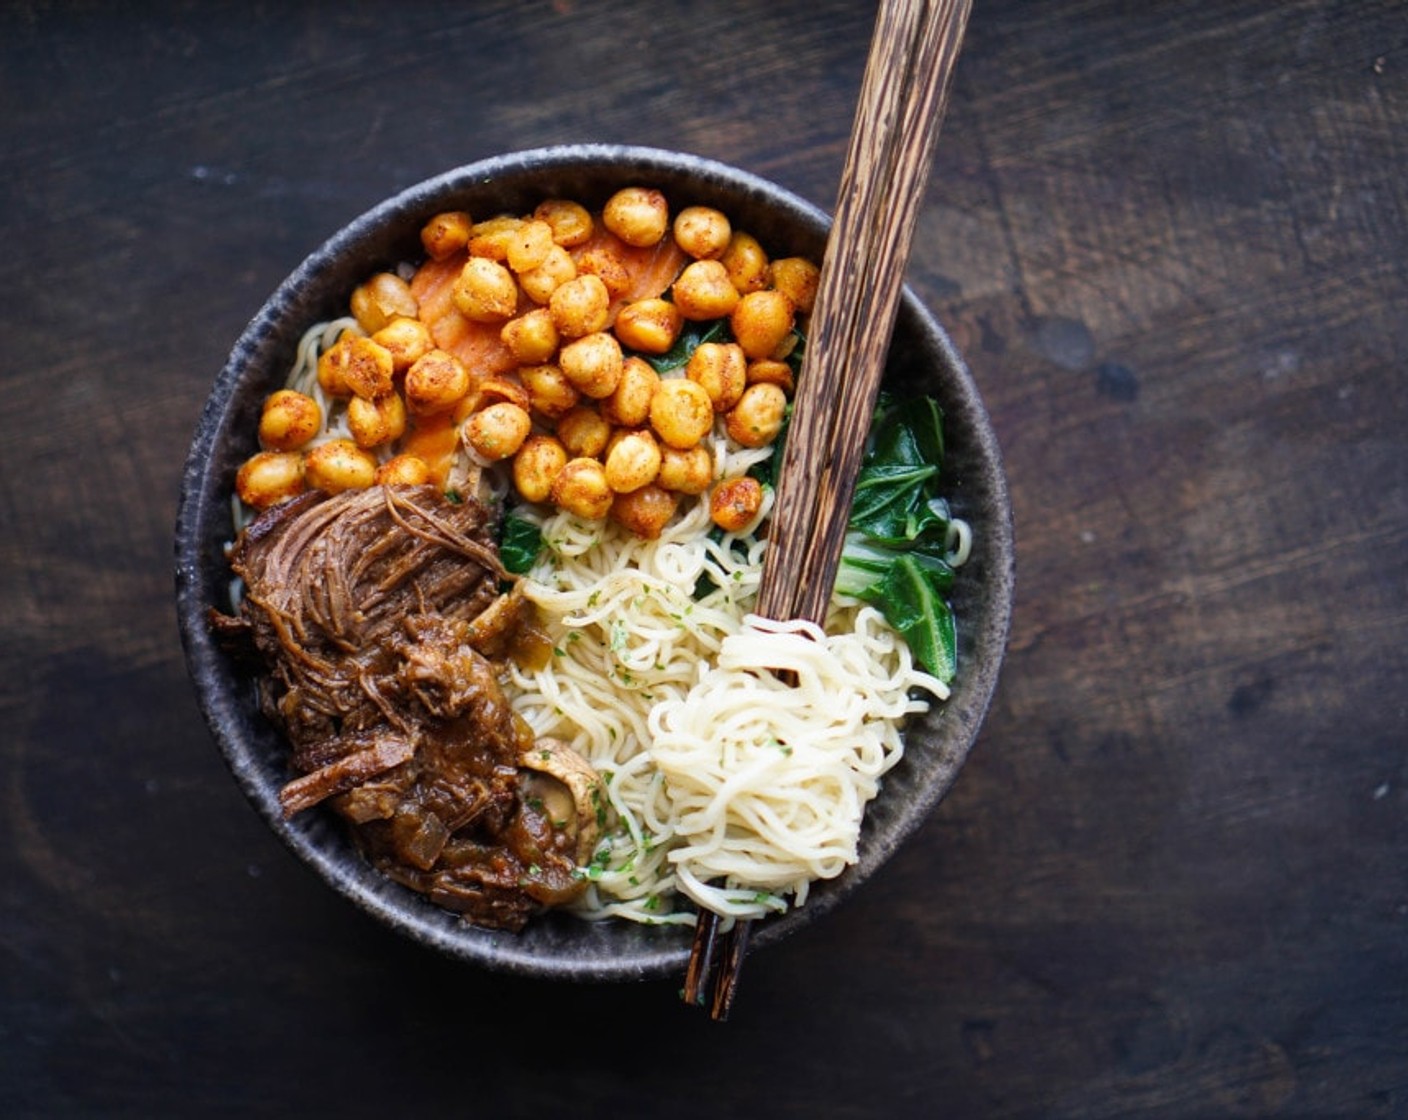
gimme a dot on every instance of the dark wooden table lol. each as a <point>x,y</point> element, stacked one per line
<point>1172,880</point>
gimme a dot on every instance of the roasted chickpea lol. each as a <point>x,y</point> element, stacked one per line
<point>485,291</point>
<point>536,465</point>
<point>407,340</point>
<point>688,472</point>
<point>289,420</point>
<point>532,337</point>
<point>593,364</point>
<point>632,461</point>
<point>446,234</point>
<point>331,363</point>
<point>549,391</point>
<point>436,383</point>
<point>746,262</point>
<point>529,245</point>
<point>499,223</point>
<point>629,405</point>
<point>607,267</point>
<point>702,232</point>
<point>580,306</point>
<point>269,477</point>
<point>557,268</point>
<point>368,366</point>
<point>734,504</point>
<point>639,216</point>
<point>762,322</point>
<point>704,291</point>
<point>402,470</point>
<point>584,432</point>
<point>498,431</point>
<point>757,417</point>
<point>382,298</point>
<point>571,222</point>
<point>797,279</point>
<point>355,365</point>
<point>338,465</point>
<point>648,325</point>
<point>646,511</point>
<point>580,488</point>
<point>771,372</point>
<point>721,369</point>
<point>378,421</point>
<point>681,412</point>
<point>491,239</point>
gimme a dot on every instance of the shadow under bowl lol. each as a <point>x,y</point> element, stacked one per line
<point>921,360</point>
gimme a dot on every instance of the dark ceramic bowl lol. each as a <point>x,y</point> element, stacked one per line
<point>921,359</point>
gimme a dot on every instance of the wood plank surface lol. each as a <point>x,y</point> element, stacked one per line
<point>1171,241</point>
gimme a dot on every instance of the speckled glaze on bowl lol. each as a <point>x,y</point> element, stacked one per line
<point>921,359</point>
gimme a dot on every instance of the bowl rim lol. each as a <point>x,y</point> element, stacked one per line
<point>223,703</point>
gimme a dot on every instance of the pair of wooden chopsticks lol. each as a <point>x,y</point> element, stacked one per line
<point>903,95</point>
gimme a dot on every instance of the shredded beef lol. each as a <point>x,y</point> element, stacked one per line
<point>374,613</point>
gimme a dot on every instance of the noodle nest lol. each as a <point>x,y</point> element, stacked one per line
<point>727,784</point>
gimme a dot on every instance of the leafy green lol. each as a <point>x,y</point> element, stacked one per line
<point>896,499</point>
<point>864,562</point>
<point>914,605</point>
<point>895,550</point>
<point>522,541</point>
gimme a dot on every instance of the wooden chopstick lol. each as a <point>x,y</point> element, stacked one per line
<point>903,95</point>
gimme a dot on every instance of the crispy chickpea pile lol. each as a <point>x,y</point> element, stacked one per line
<point>584,421</point>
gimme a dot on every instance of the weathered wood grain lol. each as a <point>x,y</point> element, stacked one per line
<point>1171,244</point>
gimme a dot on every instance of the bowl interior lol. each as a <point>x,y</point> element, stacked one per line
<point>921,360</point>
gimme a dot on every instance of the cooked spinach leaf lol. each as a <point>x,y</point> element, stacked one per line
<point>521,543</point>
<point>895,555</point>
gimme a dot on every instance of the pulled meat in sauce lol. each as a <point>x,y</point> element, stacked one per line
<point>375,614</point>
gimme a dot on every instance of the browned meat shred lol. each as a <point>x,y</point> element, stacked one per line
<point>375,613</point>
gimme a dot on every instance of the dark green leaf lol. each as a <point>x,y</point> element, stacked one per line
<point>929,431</point>
<point>890,503</point>
<point>897,445</point>
<point>522,541</point>
<point>914,606</point>
<point>895,555</point>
